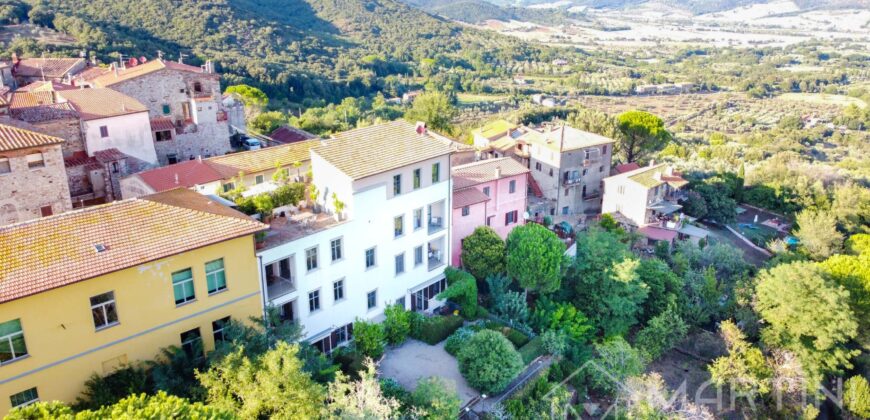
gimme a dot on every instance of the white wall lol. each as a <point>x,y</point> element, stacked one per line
<point>131,134</point>
<point>631,203</point>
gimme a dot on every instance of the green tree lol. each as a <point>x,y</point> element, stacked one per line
<point>42,410</point>
<point>109,389</point>
<point>642,134</point>
<point>512,307</point>
<point>595,121</point>
<point>267,122</point>
<point>397,324</point>
<point>816,326</point>
<point>853,273</point>
<point>161,405</point>
<point>462,289</point>
<point>851,208</point>
<point>604,281</point>
<point>858,244</point>
<point>254,99</point>
<point>664,286</point>
<point>488,361</point>
<point>272,385</point>
<point>433,108</point>
<point>856,397</point>
<point>362,399</point>
<point>534,258</point>
<point>817,231</point>
<point>615,361</point>
<point>483,253</point>
<point>745,368</point>
<point>436,398</point>
<point>369,338</point>
<point>662,333</point>
<point>550,315</point>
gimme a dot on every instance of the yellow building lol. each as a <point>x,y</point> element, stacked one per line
<point>87,291</point>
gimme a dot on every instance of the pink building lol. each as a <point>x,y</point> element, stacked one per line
<point>490,192</point>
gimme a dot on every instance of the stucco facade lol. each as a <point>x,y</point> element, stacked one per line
<point>130,133</point>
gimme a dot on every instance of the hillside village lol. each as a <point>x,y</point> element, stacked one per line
<point>162,245</point>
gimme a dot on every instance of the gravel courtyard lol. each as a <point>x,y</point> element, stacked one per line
<point>415,360</point>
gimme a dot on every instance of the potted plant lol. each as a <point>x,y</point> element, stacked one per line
<point>313,194</point>
<point>260,239</point>
<point>264,205</point>
<point>338,205</point>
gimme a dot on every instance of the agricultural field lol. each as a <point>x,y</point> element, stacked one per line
<point>38,33</point>
<point>822,99</point>
<point>478,98</point>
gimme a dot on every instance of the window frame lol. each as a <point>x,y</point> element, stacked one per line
<point>259,179</point>
<point>399,226</point>
<point>374,258</point>
<point>103,307</point>
<point>417,179</point>
<point>418,256</point>
<point>5,162</point>
<point>336,253</point>
<point>418,219</point>
<point>309,267</point>
<point>25,403</point>
<point>8,339</point>
<point>397,184</point>
<point>189,280</point>
<point>338,290</point>
<point>35,164</point>
<point>436,172</point>
<point>512,186</point>
<point>104,131</point>
<point>399,261</point>
<point>372,296</point>
<point>486,191</point>
<point>210,273</point>
<point>314,300</point>
<point>217,328</point>
<point>191,343</point>
<point>466,210</point>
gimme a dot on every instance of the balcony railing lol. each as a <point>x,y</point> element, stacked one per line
<point>280,286</point>
<point>436,223</point>
<point>436,259</point>
<point>571,181</point>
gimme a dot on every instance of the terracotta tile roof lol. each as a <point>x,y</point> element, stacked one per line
<point>379,148</point>
<point>109,77</point>
<point>627,167</point>
<point>109,155</point>
<point>467,197</point>
<point>162,124</point>
<point>14,138</point>
<point>183,197</point>
<point>187,173</point>
<point>96,103</point>
<point>45,112</point>
<point>51,68</point>
<point>564,138</point>
<point>286,134</point>
<point>485,171</point>
<point>31,99</point>
<point>57,251</point>
<point>44,86</point>
<point>264,159</point>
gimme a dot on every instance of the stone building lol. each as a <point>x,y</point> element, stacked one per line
<point>187,97</point>
<point>29,70</point>
<point>33,181</point>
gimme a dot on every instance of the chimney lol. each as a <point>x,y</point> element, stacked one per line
<point>420,128</point>
<point>498,172</point>
<point>209,66</point>
<point>657,176</point>
<point>669,171</point>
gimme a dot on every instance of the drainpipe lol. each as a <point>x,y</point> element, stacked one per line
<point>263,289</point>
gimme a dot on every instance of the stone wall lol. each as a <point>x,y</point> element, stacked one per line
<point>68,129</point>
<point>26,190</point>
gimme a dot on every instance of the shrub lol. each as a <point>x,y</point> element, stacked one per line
<point>555,342</point>
<point>662,333</point>
<point>462,289</point>
<point>350,360</point>
<point>457,340</point>
<point>109,389</point>
<point>516,338</point>
<point>483,253</point>
<point>857,396</point>
<point>539,399</point>
<point>436,398</point>
<point>397,324</point>
<point>616,361</point>
<point>489,362</point>
<point>532,349</point>
<point>550,315</point>
<point>433,330</point>
<point>498,285</point>
<point>512,306</point>
<point>369,338</point>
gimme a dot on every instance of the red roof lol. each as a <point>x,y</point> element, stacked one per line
<point>657,233</point>
<point>626,167</point>
<point>285,134</point>
<point>187,173</point>
<point>162,124</point>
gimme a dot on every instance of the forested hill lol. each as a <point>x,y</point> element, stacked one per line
<point>293,48</point>
<point>476,11</point>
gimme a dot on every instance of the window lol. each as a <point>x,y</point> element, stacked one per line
<point>182,286</point>
<point>538,166</point>
<point>510,218</point>
<point>217,328</point>
<point>215,276</point>
<point>489,220</point>
<point>566,192</point>
<point>417,181</point>
<point>335,248</point>
<point>104,131</point>
<point>191,342</point>
<point>398,226</point>
<point>342,334</point>
<point>5,166</point>
<point>604,149</point>
<point>35,160</point>
<point>585,171</point>
<point>400,263</point>
<point>172,158</point>
<point>197,87</point>
<point>565,210</point>
<point>103,310</point>
<point>45,211</point>
<point>397,184</point>
<point>23,398</point>
<point>115,168</point>
<point>370,258</point>
<point>551,172</point>
<point>166,109</point>
<point>418,219</point>
<point>314,301</point>
<point>436,172</point>
<point>12,345</point>
<point>418,255</point>
<point>258,179</point>
<point>512,187</point>
<point>601,168</point>
<point>311,259</point>
<point>372,299</point>
<point>486,191</point>
<point>229,186</point>
<point>466,210</point>
<point>586,154</point>
<point>338,290</point>
<point>584,191</point>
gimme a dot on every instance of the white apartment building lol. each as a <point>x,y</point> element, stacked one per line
<point>389,245</point>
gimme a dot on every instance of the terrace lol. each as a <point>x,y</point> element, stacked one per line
<point>295,226</point>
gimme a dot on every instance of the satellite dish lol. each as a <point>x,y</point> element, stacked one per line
<point>526,215</point>
<point>142,59</point>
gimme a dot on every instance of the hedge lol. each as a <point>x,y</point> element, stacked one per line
<point>433,330</point>
<point>531,350</point>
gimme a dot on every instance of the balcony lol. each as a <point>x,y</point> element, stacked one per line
<point>280,278</point>
<point>436,217</point>
<point>436,253</point>
<point>571,181</point>
<point>594,195</point>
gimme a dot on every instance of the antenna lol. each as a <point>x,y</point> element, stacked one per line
<point>181,57</point>
<point>159,55</point>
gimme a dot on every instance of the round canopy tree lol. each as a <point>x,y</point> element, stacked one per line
<point>643,133</point>
<point>489,362</point>
<point>483,253</point>
<point>534,258</point>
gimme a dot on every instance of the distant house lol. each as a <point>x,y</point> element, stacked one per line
<point>492,131</point>
<point>29,70</point>
<point>287,134</point>
<point>220,173</point>
<point>32,175</point>
<point>490,193</point>
<point>408,97</point>
<point>646,199</point>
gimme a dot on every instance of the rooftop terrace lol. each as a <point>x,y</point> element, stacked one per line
<point>298,225</point>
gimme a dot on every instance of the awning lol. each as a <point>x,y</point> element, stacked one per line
<point>261,188</point>
<point>657,233</point>
<point>664,207</point>
<point>694,231</point>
